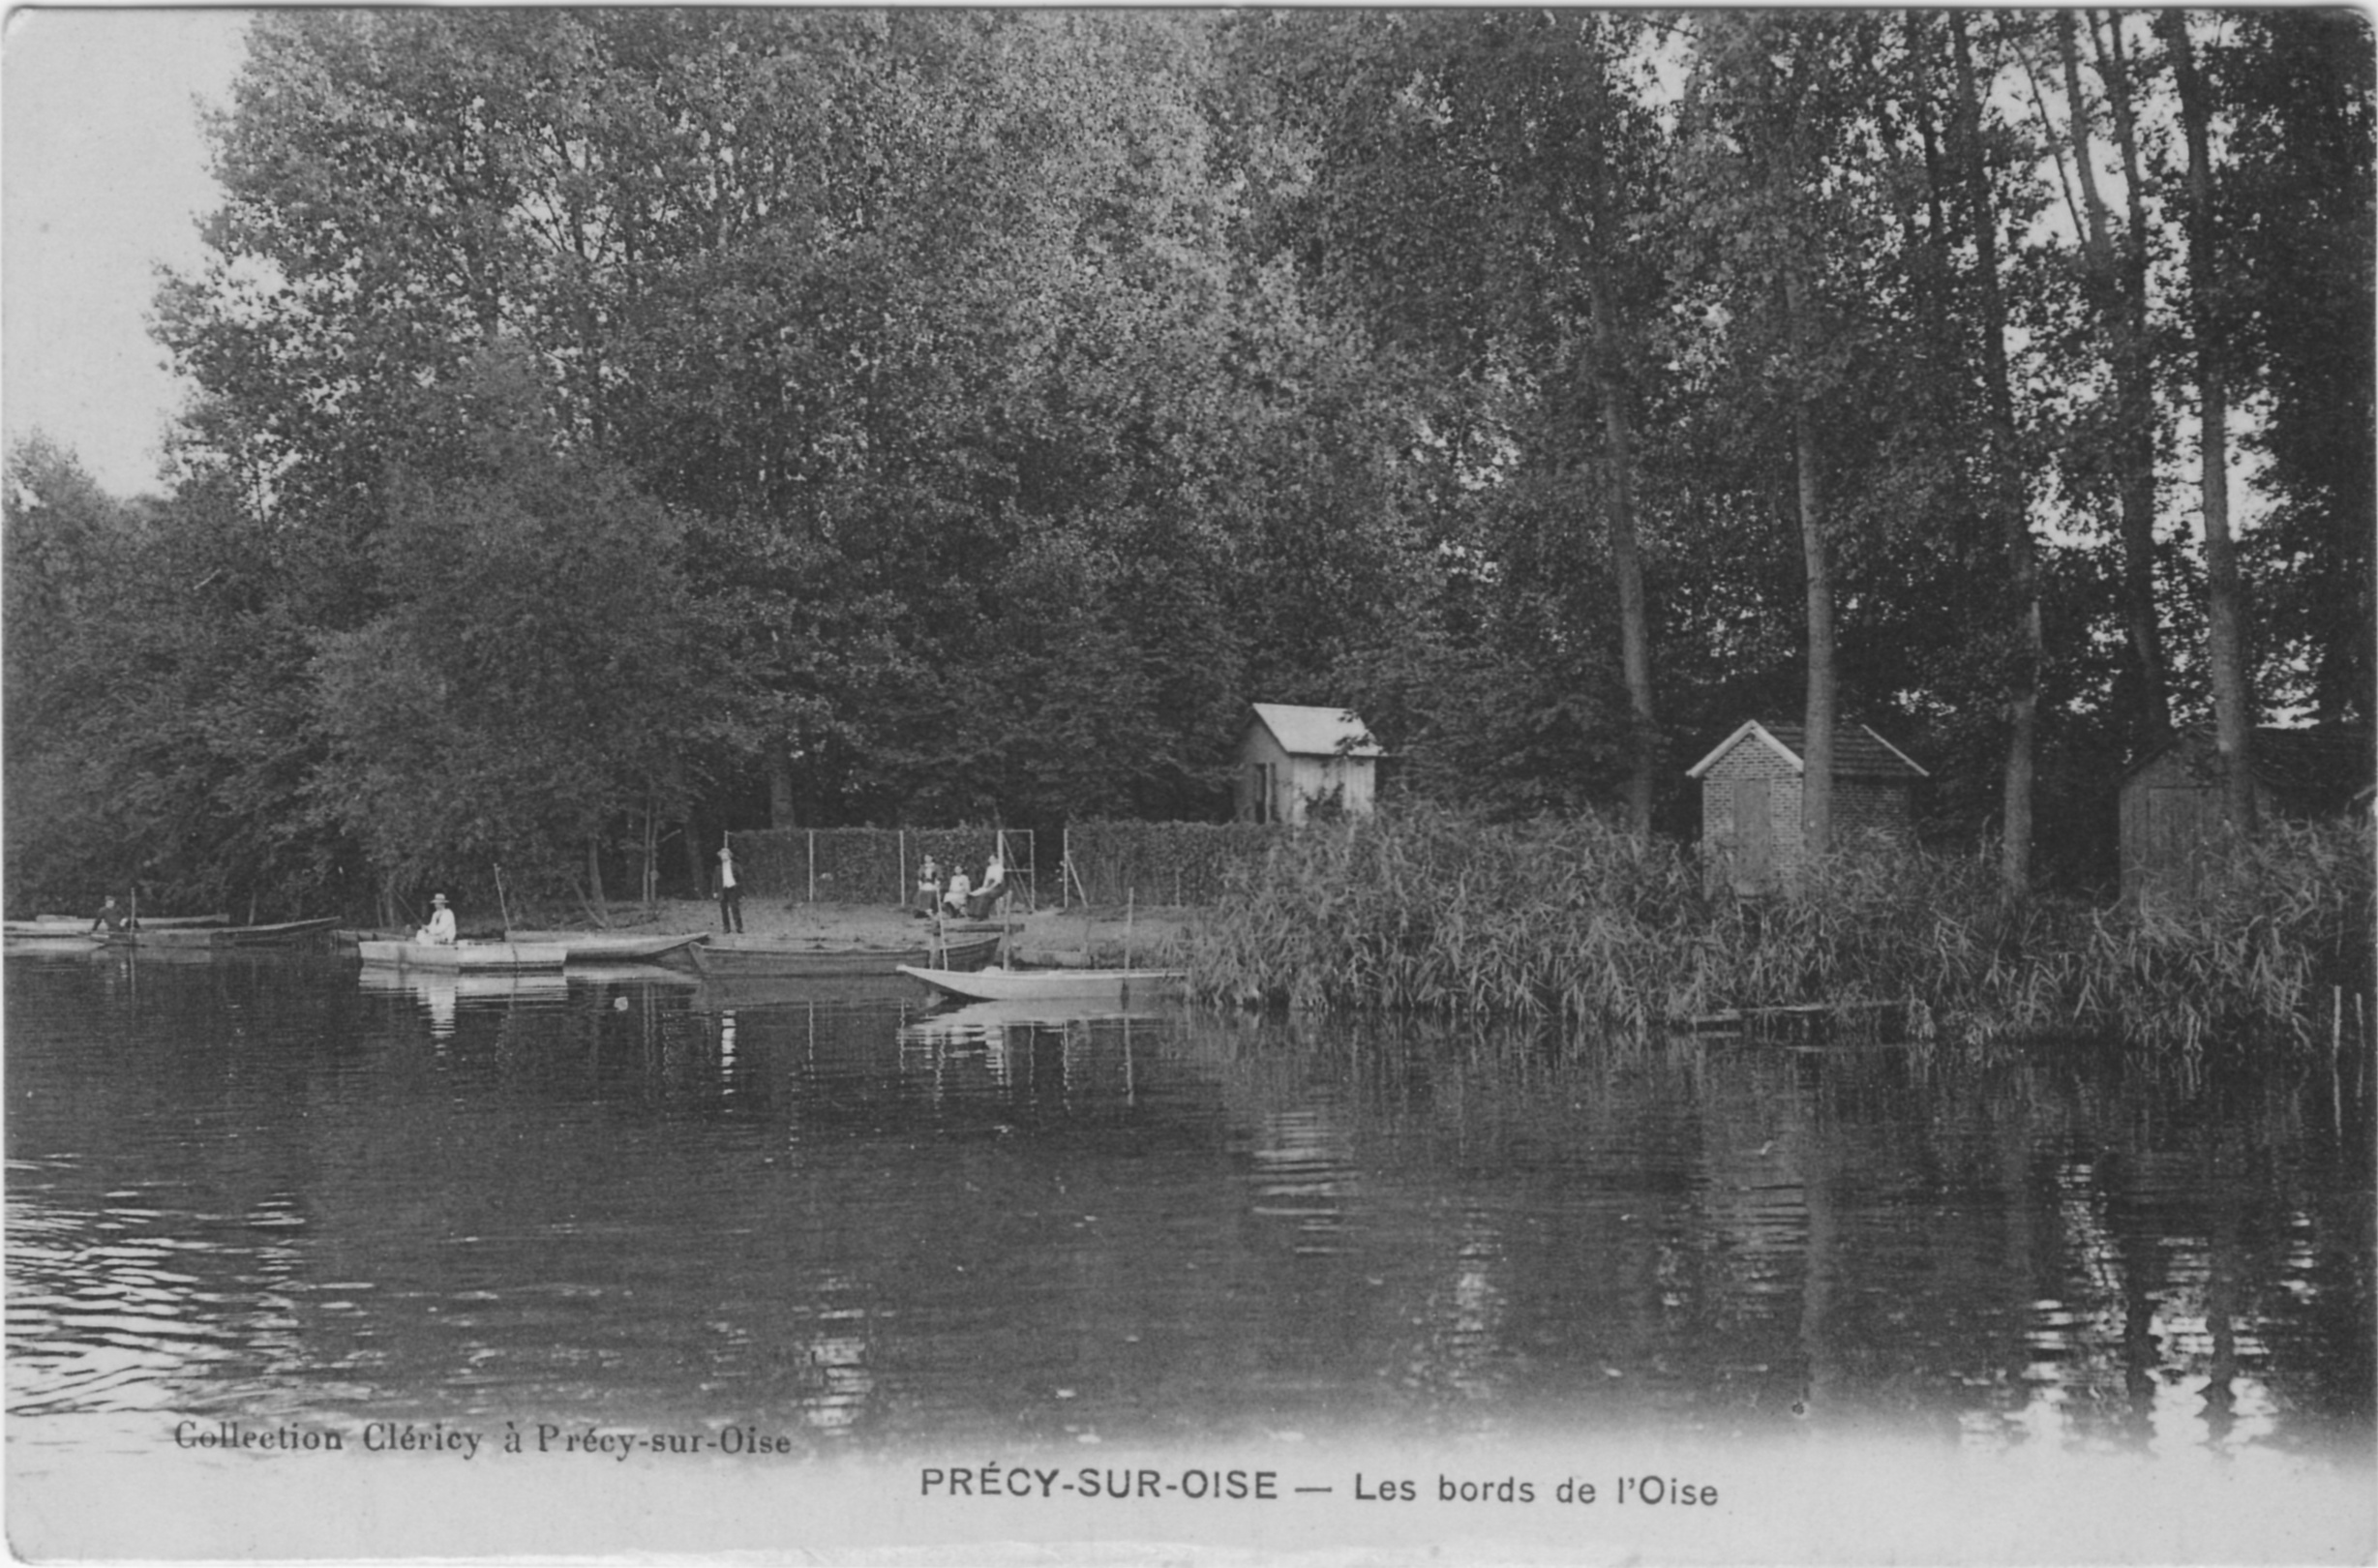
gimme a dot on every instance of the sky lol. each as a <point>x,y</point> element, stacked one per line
<point>103,176</point>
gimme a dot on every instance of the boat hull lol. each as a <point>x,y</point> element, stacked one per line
<point>1118,987</point>
<point>464,957</point>
<point>613,948</point>
<point>754,956</point>
<point>53,941</point>
<point>230,936</point>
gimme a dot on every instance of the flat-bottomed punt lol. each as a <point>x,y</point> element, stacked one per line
<point>613,947</point>
<point>782,958</point>
<point>463,956</point>
<point>228,936</point>
<point>1116,987</point>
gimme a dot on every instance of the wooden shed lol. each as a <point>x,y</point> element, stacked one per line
<point>2171,796</point>
<point>1294,759</point>
<point>1749,798</point>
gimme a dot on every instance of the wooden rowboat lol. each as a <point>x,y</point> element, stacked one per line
<point>228,936</point>
<point>463,956</point>
<point>739,955</point>
<point>1118,987</point>
<point>612,946</point>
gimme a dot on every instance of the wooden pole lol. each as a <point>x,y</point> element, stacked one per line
<point>899,889</point>
<point>1130,896</point>
<point>813,865</point>
<point>503,905</point>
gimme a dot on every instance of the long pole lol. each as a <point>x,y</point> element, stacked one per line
<point>503,905</point>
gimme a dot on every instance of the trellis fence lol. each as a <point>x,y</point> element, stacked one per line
<point>1159,862</point>
<point>1103,862</point>
<point>874,866</point>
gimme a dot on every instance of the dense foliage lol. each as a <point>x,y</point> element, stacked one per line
<point>616,427</point>
<point>1573,922</point>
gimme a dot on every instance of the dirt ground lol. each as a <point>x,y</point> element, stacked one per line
<point>1050,936</point>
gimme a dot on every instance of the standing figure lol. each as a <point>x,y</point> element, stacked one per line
<point>439,932</point>
<point>928,886</point>
<point>729,892</point>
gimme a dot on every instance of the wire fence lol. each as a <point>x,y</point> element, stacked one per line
<point>1099,863</point>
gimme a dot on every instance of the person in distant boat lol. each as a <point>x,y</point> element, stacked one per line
<point>112,917</point>
<point>928,886</point>
<point>953,900</point>
<point>729,892</point>
<point>439,932</point>
<point>994,888</point>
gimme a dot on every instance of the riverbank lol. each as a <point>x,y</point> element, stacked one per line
<point>1076,935</point>
<point>1436,914</point>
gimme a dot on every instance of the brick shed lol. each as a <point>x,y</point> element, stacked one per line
<point>2171,798</point>
<point>1750,797</point>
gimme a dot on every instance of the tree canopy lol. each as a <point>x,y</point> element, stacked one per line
<point>612,426</point>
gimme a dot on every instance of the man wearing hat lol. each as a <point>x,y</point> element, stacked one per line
<point>439,932</point>
<point>730,895</point>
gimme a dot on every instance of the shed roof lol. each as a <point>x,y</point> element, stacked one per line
<point>1857,752</point>
<point>2324,766</point>
<point>1317,732</point>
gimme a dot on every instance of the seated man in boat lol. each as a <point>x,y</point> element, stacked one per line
<point>953,899</point>
<point>112,917</point>
<point>439,932</point>
<point>928,886</point>
<point>994,888</point>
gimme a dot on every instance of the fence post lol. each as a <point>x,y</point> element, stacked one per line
<point>813,865</point>
<point>1065,871</point>
<point>899,888</point>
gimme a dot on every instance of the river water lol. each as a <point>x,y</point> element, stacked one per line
<point>278,1193</point>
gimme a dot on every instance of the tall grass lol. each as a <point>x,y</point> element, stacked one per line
<point>1435,913</point>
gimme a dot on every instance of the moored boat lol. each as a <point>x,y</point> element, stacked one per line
<point>1120,988</point>
<point>613,947</point>
<point>30,936</point>
<point>228,936</point>
<point>787,958</point>
<point>463,956</point>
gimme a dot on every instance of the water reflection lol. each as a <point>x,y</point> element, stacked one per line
<point>288,1189</point>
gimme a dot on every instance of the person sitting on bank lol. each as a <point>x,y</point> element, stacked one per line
<point>994,888</point>
<point>953,900</point>
<point>439,932</point>
<point>112,917</point>
<point>928,886</point>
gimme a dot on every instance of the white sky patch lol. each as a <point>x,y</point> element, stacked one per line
<point>103,176</point>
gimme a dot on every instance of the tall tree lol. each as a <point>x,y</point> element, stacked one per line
<point>2003,485</point>
<point>2233,711</point>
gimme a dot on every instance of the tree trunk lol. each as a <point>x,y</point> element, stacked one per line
<point>2006,490</point>
<point>1816,779</point>
<point>1627,564</point>
<point>594,880</point>
<point>2232,703</point>
<point>2119,296</point>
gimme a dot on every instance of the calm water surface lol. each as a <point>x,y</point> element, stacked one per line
<point>274,1190</point>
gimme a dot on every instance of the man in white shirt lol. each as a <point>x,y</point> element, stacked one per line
<point>439,932</point>
<point>730,893</point>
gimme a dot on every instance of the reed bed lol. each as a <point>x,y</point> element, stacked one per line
<point>1435,913</point>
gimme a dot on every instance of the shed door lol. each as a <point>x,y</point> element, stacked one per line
<point>1754,833</point>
